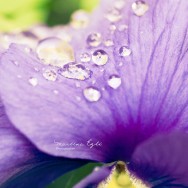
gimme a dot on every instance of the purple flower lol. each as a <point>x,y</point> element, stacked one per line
<point>121,94</point>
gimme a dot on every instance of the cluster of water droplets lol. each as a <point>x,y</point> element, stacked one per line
<point>59,54</point>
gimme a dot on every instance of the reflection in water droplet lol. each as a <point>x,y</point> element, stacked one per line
<point>100,57</point>
<point>108,43</point>
<point>33,81</point>
<point>92,94</point>
<point>94,39</point>
<point>54,51</point>
<point>113,15</point>
<point>124,51</point>
<point>50,75</point>
<point>140,8</point>
<point>85,57</point>
<point>79,19</point>
<point>114,81</point>
<point>75,71</point>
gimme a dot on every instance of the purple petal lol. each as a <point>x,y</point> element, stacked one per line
<point>22,165</point>
<point>152,97</point>
<point>162,160</point>
<point>96,177</point>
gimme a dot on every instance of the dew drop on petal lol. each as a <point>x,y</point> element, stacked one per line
<point>92,94</point>
<point>27,50</point>
<point>79,19</point>
<point>75,71</point>
<point>85,57</point>
<point>100,57</point>
<point>94,39</point>
<point>140,8</point>
<point>108,43</point>
<point>125,51</point>
<point>33,81</point>
<point>53,51</point>
<point>114,15</point>
<point>122,27</point>
<point>15,63</point>
<point>114,81</point>
<point>50,75</point>
<point>119,4</point>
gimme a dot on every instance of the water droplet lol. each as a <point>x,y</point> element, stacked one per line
<point>92,94</point>
<point>94,39</point>
<point>50,75</point>
<point>140,8</point>
<point>122,27</point>
<point>54,51</point>
<point>15,63</point>
<point>125,51</point>
<point>33,81</point>
<point>78,85</point>
<point>56,92</point>
<point>85,57</point>
<point>80,19</point>
<point>114,81</point>
<point>113,15</point>
<point>100,57</point>
<point>108,43</point>
<point>75,71</point>
<point>78,98</point>
<point>119,4</point>
<point>112,27</point>
<point>27,50</point>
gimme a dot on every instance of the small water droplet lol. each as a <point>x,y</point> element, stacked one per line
<point>140,8</point>
<point>112,27</point>
<point>100,57</point>
<point>92,94</point>
<point>50,75</point>
<point>27,50</point>
<point>94,39</point>
<point>108,43</point>
<point>119,4</point>
<point>125,51</point>
<point>114,81</point>
<point>114,15</point>
<point>75,71</point>
<point>15,63</point>
<point>78,85</point>
<point>78,98</point>
<point>54,51</point>
<point>79,19</point>
<point>56,92</point>
<point>122,27</point>
<point>120,64</point>
<point>85,57</point>
<point>33,81</point>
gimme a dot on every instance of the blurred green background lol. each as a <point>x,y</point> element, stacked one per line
<point>21,14</point>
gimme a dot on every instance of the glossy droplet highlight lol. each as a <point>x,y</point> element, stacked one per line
<point>114,81</point>
<point>53,51</point>
<point>125,51</point>
<point>50,75</point>
<point>114,15</point>
<point>100,57</point>
<point>92,94</point>
<point>94,39</point>
<point>140,8</point>
<point>80,19</point>
<point>85,57</point>
<point>33,81</point>
<point>75,71</point>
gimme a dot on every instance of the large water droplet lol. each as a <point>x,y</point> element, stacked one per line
<point>114,15</point>
<point>33,81</point>
<point>75,71</point>
<point>80,19</point>
<point>50,75</point>
<point>54,51</point>
<point>114,81</point>
<point>85,57</point>
<point>94,39</point>
<point>125,51</point>
<point>100,57</point>
<point>92,94</point>
<point>140,8</point>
